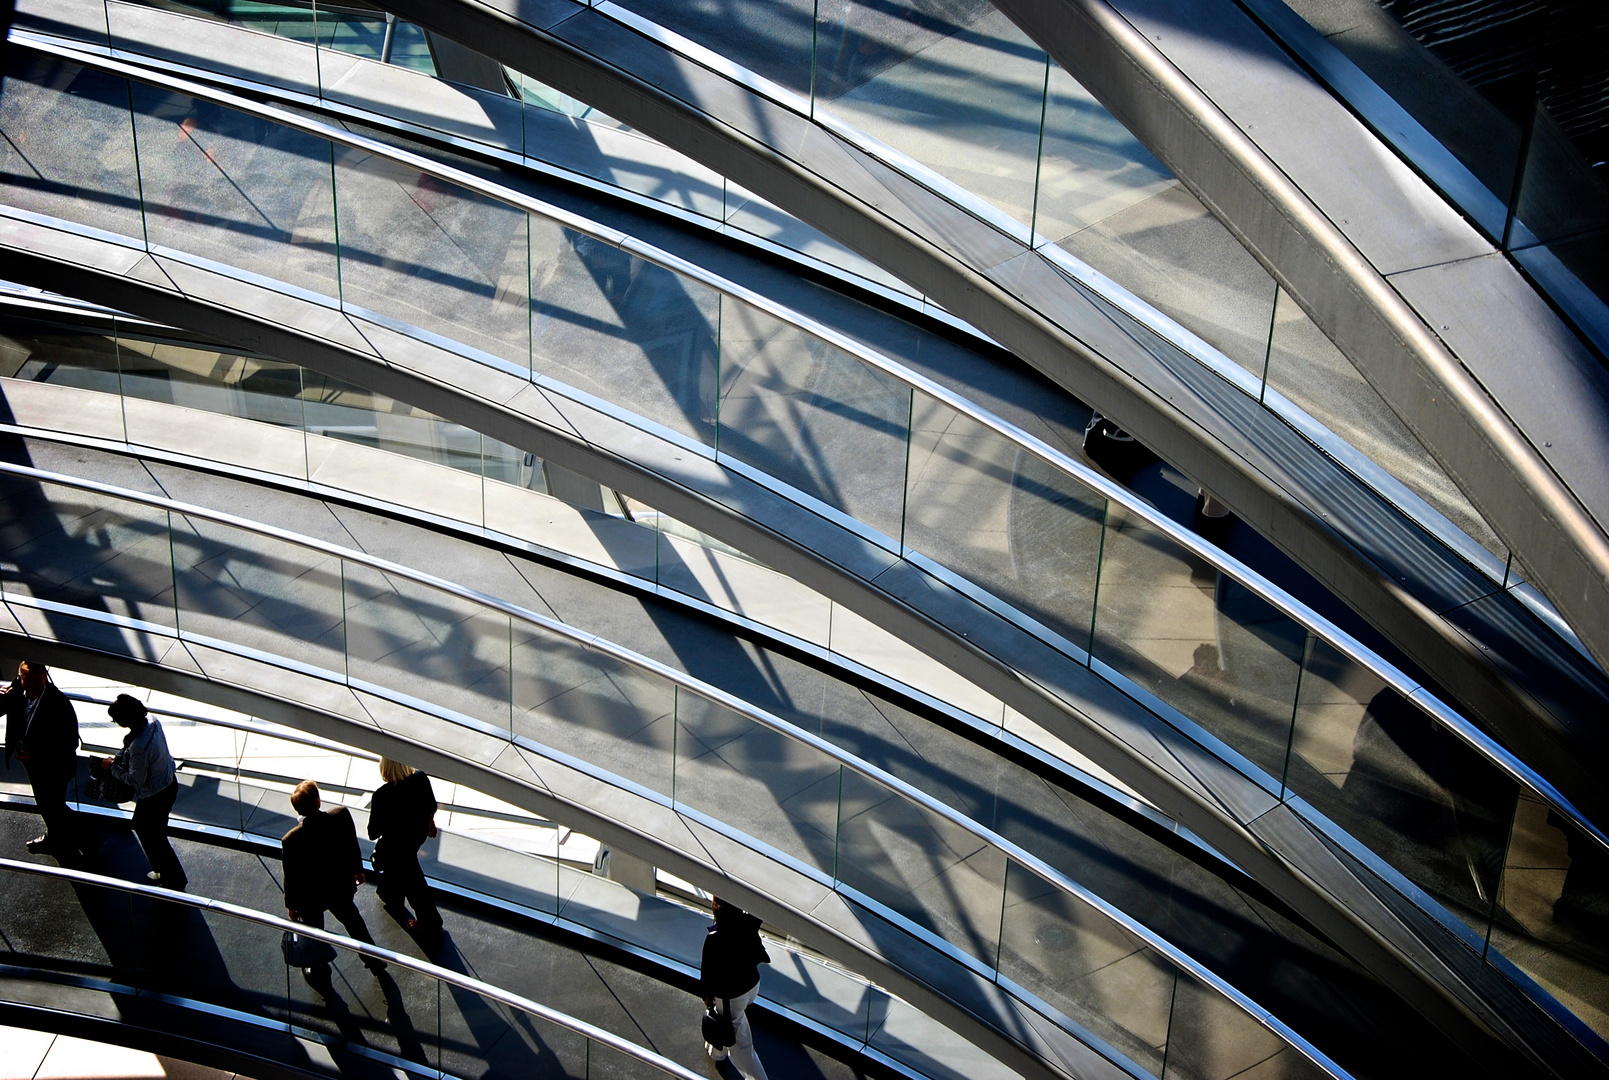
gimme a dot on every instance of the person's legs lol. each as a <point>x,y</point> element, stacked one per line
<point>743,1055</point>
<point>317,975</point>
<point>50,797</point>
<point>151,826</point>
<point>418,893</point>
<point>346,910</point>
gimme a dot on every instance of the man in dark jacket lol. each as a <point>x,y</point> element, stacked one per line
<point>729,980</point>
<point>42,733</point>
<point>323,869</point>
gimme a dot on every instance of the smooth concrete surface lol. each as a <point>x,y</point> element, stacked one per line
<point>41,1055</point>
<point>1177,776</point>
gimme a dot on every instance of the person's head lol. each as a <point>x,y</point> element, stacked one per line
<point>31,676</point>
<point>721,909</point>
<point>304,798</point>
<point>391,771</point>
<point>127,711</point>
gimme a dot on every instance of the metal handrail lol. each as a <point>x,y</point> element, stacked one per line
<point>731,702</point>
<point>1288,605</point>
<point>253,727</point>
<point>402,960</point>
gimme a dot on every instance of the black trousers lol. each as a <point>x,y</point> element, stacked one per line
<point>50,796</point>
<point>151,826</point>
<point>402,882</point>
<point>346,912</point>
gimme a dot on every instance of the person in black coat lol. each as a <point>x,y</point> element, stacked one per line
<point>323,869</point>
<point>729,981</point>
<point>42,733</point>
<point>402,816</point>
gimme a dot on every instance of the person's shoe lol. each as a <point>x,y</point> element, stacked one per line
<point>154,877</point>
<point>40,845</point>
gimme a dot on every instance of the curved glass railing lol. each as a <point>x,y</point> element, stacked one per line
<point>341,617</point>
<point>225,958</point>
<point>969,107</point>
<point>1287,698</point>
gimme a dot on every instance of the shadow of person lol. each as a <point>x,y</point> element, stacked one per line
<point>409,1045</point>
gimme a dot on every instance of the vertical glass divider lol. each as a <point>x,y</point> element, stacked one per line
<point>1296,706</point>
<point>1502,877</point>
<point>510,663</point>
<point>675,719</point>
<point>838,827</point>
<point>346,637</point>
<point>117,358</point>
<point>1268,346</point>
<point>335,220</point>
<point>1000,933</point>
<point>318,63</point>
<point>173,576</point>
<point>1167,1038</point>
<point>530,286</point>
<point>720,321</point>
<point>139,174</point>
<point>1095,593</point>
<point>905,485</point>
<point>815,34</point>
<point>1039,157</point>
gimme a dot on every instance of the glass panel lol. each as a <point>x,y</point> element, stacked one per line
<point>259,592</point>
<point>1200,641</point>
<point>813,416</point>
<point>96,945</point>
<point>1171,252</point>
<point>427,644</point>
<point>85,550</point>
<point>433,255</point>
<point>1004,518</point>
<point>1400,783</point>
<point>760,782</point>
<point>1081,963</point>
<point>212,957</point>
<point>40,351</point>
<point>961,90</point>
<point>486,1038</point>
<point>1210,1038</point>
<point>1308,369</point>
<point>89,177</point>
<point>83,20</point>
<point>769,37</point>
<point>236,189</point>
<point>631,333</point>
<point>1552,918</point>
<point>1090,168</point>
<point>342,410</point>
<point>249,387</point>
<point>921,866</point>
<point>593,707</point>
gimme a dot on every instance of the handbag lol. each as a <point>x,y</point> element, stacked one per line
<point>305,952</point>
<point>718,1026</point>
<point>104,787</point>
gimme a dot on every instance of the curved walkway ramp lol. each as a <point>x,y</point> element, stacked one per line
<point>130,962</point>
<point>840,853</point>
<point>1504,665</point>
<point>1118,849</point>
<point>1260,823</point>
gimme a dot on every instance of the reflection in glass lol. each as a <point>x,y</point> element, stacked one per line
<point>433,255</point>
<point>90,178</point>
<point>1006,519</point>
<point>236,189</point>
<point>598,709</point>
<point>813,416</point>
<point>765,784</point>
<point>1200,641</point>
<point>939,876</point>
<point>634,334</point>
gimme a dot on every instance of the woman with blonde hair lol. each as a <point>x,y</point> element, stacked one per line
<point>402,816</point>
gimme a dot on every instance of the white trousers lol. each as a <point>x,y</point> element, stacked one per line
<point>741,1051</point>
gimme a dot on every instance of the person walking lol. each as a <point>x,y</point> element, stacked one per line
<point>729,981</point>
<point>146,766</point>
<point>42,733</point>
<point>402,816</point>
<point>323,869</point>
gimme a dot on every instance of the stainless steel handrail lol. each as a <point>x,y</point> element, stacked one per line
<point>728,701</point>
<point>401,960</point>
<point>253,728</point>
<point>1220,560</point>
